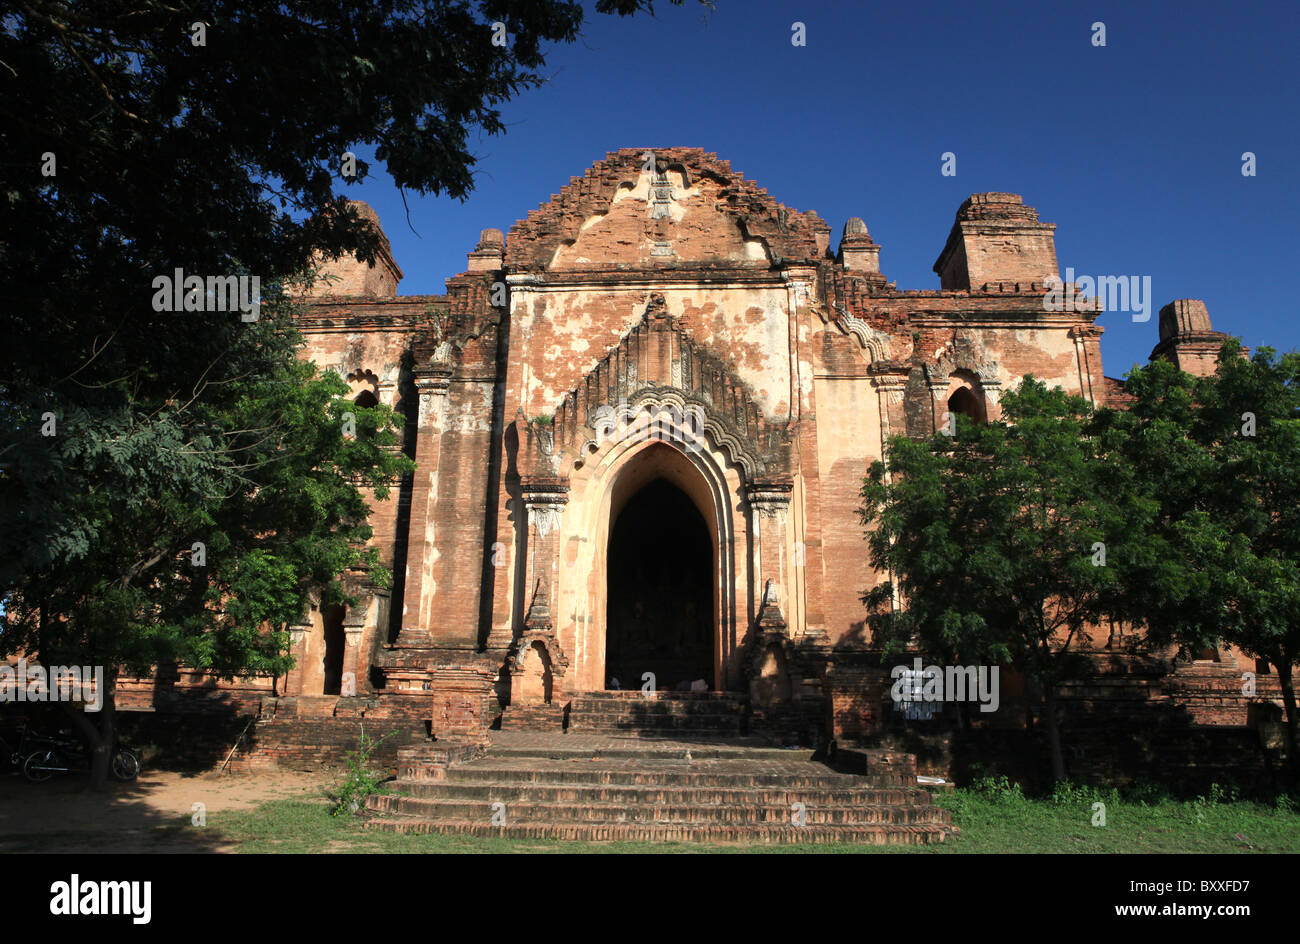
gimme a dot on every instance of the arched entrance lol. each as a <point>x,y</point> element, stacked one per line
<point>659,603</point>
<point>602,486</point>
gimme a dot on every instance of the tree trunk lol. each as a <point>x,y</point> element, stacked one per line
<point>100,738</point>
<point>1053,732</point>
<point>1288,698</point>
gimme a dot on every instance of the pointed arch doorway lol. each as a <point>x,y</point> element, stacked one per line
<point>659,608</point>
<point>662,575</point>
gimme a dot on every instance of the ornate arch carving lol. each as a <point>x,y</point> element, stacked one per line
<point>657,368</point>
<point>684,415</point>
<point>875,343</point>
<point>530,637</point>
<point>963,353</point>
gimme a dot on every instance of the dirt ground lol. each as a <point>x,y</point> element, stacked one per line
<point>150,814</point>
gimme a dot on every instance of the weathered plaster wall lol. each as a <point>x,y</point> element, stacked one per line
<point>565,333</point>
<point>848,427</point>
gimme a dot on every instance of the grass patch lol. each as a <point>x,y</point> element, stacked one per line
<point>994,816</point>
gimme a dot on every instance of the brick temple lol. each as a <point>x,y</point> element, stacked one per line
<point>641,419</point>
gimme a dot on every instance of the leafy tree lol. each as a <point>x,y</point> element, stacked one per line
<point>243,502</point>
<point>142,137</point>
<point>992,539</point>
<point>1219,459</point>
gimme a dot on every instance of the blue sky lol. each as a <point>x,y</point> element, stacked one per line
<point>1133,150</point>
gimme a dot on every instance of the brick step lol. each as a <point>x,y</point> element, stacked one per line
<point>718,730</point>
<point>566,786</point>
<point>753,813</point>
<point>661,710</point>
<point>734,698</point>
<point>699,729</point>
<point>680,796</point>
<point>680,704</point>
<point>642,777</point>
<point>702,714</point>
<point>700,719</point>
<point>636,713</point>
<point>533,718</point>
<point>678,707</point>
<point>644,732</point>
<point>719,723</point>
<point>649,748</point>
<point>891,834</point>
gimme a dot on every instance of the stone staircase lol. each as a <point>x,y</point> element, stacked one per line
<point>598,788</point>
<point>701,715</point>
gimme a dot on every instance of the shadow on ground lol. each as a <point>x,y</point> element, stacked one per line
<point>155,813</point>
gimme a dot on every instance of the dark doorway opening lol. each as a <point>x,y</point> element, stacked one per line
<point>660,604</point>
<point>335,640</point>
<point>966,403</point>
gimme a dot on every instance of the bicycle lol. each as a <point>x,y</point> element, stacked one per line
<point>68,755</point>
<point>13,754</point>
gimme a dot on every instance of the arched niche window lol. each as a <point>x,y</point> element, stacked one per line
<point>364,387</point>
<point>365,399</point>
<point>968,402</point>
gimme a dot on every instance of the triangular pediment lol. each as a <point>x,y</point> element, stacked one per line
<point>663,208</point>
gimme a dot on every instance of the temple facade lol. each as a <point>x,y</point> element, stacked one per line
<point>641,421</point>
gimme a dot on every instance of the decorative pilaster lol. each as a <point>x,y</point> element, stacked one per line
<point>298,637</point>
<point>890,384</point>
<point>769,499</point>
<point>769,504</point>
<point>544,498</point>
<point>1087,352</point>
<point>938,402</point>
<point>354,626</point>
<point>992,386</point>
<point>532,675</point>
<point>431,387</point>
<point>891,387</point>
